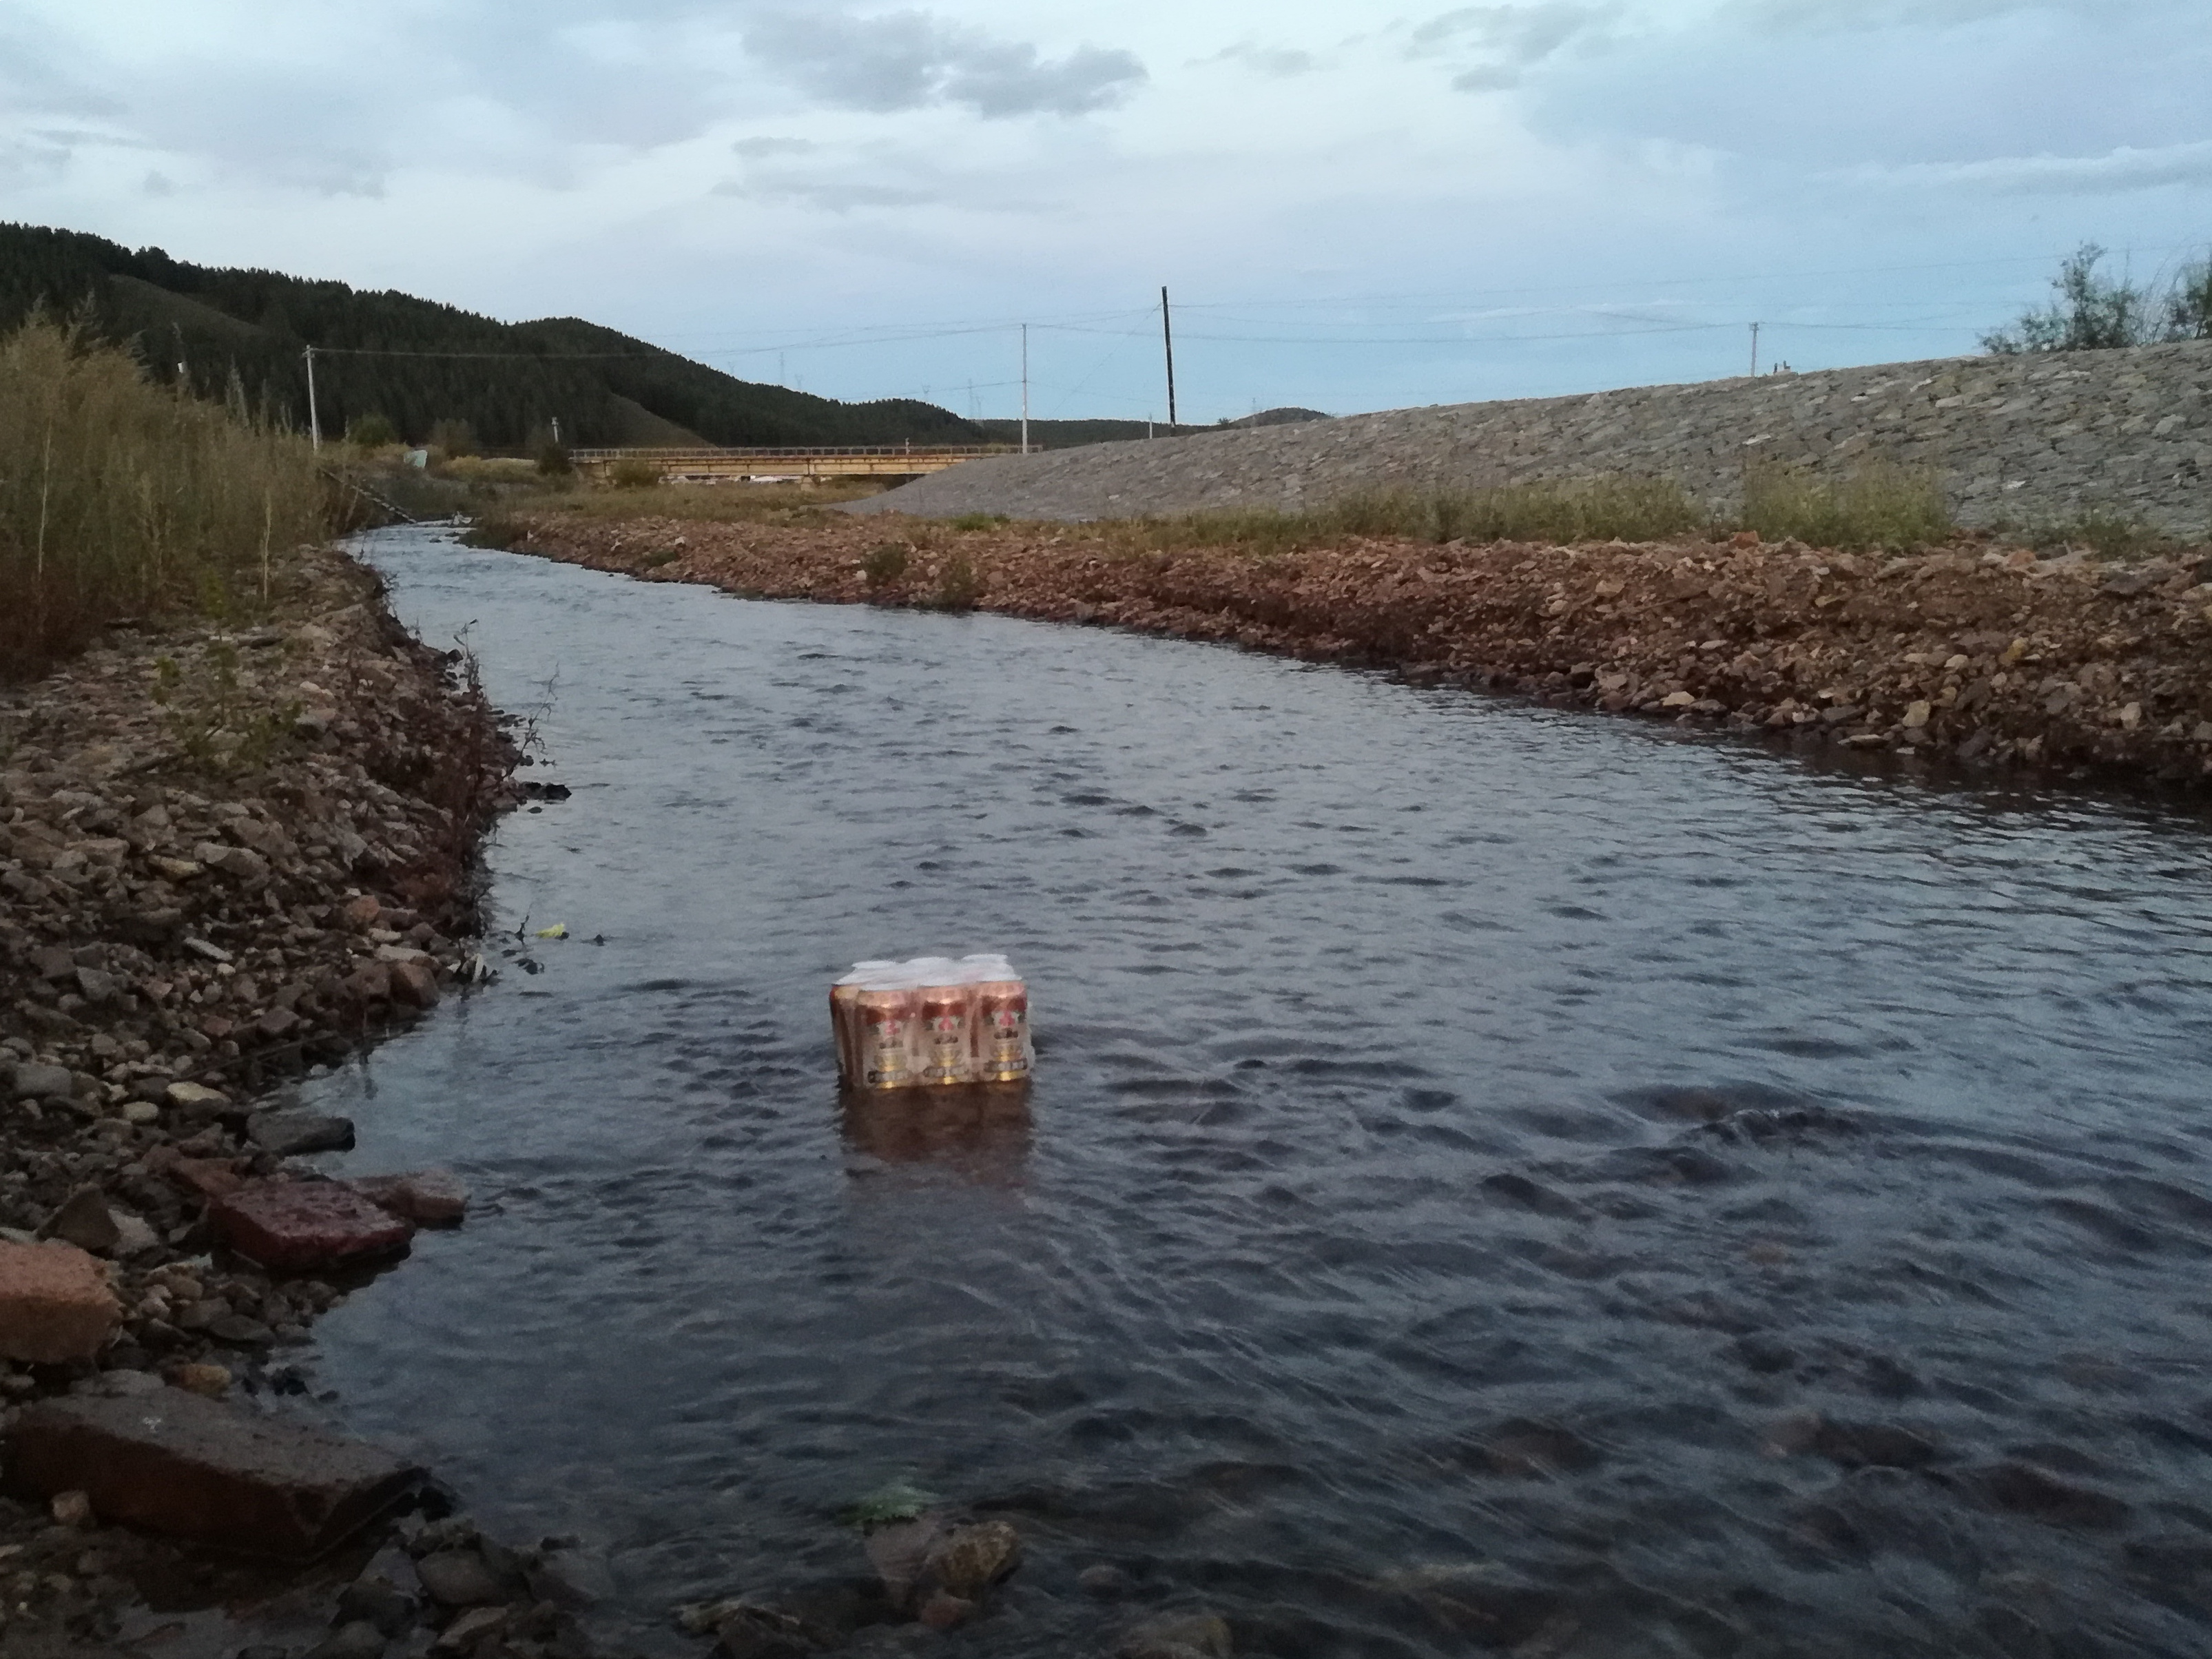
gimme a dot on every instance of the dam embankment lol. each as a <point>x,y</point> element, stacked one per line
<point>2017,441</point>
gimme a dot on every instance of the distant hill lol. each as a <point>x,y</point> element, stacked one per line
<point>1062,434</point>
<point>1290,415</point>
<point>1071,434</point>
<point>213,325</point>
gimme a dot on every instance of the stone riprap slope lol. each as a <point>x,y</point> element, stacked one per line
<point>2017,440</point>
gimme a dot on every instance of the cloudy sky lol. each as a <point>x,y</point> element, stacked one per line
<point>1355,207</point>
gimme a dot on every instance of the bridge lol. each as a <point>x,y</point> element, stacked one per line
<point>727,465</point>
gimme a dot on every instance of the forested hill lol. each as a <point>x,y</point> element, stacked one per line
<point>604,388</point>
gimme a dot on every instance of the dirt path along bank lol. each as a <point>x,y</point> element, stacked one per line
<point>1973,653</point>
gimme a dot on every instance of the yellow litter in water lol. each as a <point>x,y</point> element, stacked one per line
<point>558,930</point>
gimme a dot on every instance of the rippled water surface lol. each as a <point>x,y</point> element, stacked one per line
<point>1495,1176</point>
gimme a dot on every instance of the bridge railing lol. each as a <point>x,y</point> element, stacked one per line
<point>795,454</point>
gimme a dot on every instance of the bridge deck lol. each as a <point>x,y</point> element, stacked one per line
<point>865,461</point>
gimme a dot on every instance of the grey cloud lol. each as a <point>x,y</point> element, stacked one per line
<point>1506,40</point>
<point>754,149</point>
<point>1923,14</point>
<point>831,195</point>
<point>2119,170</point>
<point>1278,62</point>
<point>911,59</point>
<point>158,184</point>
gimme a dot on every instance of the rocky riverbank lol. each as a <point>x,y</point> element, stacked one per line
<point>1974,653</point>
<point>226,855</point>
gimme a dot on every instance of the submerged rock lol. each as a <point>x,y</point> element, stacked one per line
<point>1178,1636</point>
<point>428,1198</point>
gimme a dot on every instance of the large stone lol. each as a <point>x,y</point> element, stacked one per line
<point>294,1134</point>
<point>968,1560</point>
<point>301,1226</point>
<point>85,1221</point>
<point>414,982</point>
<point>239,863</point>
<point>1178,1636</point>
<point>428,1198</point>
<point>196,1100</point>
<point>32,1081</point>
<point>174,1463</point>
<point>55,1304</point>
<point>458,1578</point>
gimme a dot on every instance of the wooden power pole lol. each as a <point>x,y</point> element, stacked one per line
<point>1167,339</point>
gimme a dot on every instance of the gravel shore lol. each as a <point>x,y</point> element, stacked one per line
<point>226,855</point>
<point>1973,654</point>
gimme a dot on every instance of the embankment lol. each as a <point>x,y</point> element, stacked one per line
<point>1971,653</point>
<point>2015,440</point>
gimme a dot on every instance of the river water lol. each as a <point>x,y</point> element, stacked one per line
<point>1494,1175</point>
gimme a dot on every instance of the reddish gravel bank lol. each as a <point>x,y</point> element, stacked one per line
<point>1987,655</point>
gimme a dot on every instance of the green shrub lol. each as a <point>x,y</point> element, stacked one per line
<point>553,460</point>
<point>453,438</point>
<point>979,520</point>
<point>1881,505</point>
<point>633,474</point>
<point>120,498</point>
<point>493,530</point>
<point>218,728</point>
<point>372,432</point>
<point>959,584</point>
<point>884,563</point>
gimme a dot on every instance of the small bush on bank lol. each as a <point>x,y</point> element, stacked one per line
<point>959,584</point>
<point>979,520</point>
<point>1881,505</point>
<point>119,498</point>
<point>553,461</point>
<point>633,475</point>
<point>372,432</point>
<point>884,563</point>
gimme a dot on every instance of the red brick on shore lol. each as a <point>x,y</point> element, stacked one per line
<point>299,1226</point>
<point>55,1304</point>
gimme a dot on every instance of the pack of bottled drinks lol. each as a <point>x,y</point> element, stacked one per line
<point>932,1022</point>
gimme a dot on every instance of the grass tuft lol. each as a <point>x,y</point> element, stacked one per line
<point>1881,505</point>
<point>1570,510</point>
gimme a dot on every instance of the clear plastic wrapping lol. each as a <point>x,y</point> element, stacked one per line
<point>932,1022</point>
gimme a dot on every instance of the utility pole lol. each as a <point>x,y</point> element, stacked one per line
<point>556,432</point>
<point>1754,348</point>
<point>314,419</point>
<point>1025,388</point>
<point>1167,339</point>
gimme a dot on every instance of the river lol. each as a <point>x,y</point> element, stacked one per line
<point>1494,1175</point>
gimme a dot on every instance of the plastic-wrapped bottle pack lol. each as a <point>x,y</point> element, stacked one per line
<point>932,1022</point>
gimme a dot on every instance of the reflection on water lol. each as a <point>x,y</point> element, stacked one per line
<point>982,1130</point>
<point>1494,1178</point>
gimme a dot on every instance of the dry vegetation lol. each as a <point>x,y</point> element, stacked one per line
<point>119,498</point>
